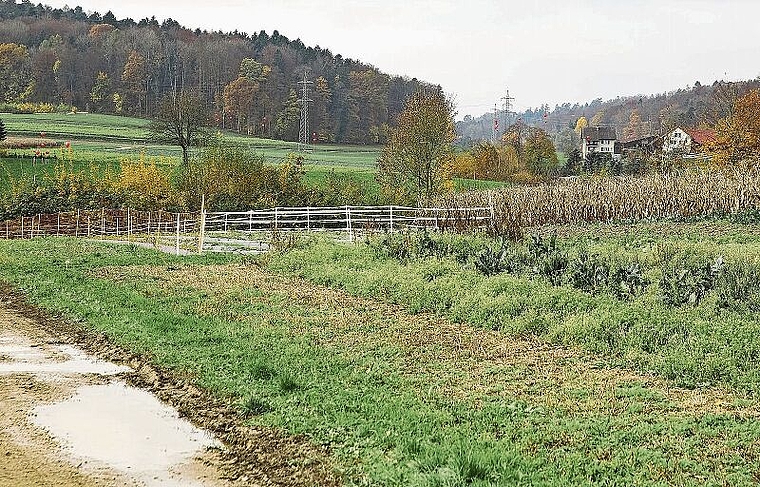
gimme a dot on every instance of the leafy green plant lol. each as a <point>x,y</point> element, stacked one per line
<point>280,241</point>
<point>547,259</point>
<point>552,266</point>
<point>588,272</point>
<point>502,257</point>
<point>539,246</point>
<point>491,261</point>
<point>627,281</point>
<point>394,245</point>
<point>690,283</point>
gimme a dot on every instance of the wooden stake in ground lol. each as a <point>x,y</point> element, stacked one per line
<point>203,224</point>
<point>176,248</point>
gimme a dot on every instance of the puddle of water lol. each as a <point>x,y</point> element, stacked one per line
<point>128,430</point>
<point>21,356</point>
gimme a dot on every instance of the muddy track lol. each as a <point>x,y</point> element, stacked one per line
<point>253,455</point>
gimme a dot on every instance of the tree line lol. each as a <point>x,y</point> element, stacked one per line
<point>249,83</point>
<point>697,105</point>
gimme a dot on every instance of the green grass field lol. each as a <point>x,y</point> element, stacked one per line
<point>105,141</point>
<point>116,136</point>
<point>425,372</point>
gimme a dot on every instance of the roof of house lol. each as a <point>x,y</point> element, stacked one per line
<point>595,134</point>
<point>701,136</point>
<point>646,139</point>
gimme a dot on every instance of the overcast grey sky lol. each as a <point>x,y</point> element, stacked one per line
<point>548,51</point>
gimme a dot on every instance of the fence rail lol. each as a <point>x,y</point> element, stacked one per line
<point>351,219</point>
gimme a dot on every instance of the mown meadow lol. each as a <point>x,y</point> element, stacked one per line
<point>103,144</point>
<point>106,140</point>
<point>607,355</point>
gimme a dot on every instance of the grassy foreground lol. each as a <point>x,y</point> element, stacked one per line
<point>412,399</point>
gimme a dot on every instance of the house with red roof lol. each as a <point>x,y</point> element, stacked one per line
<point>686,141</point>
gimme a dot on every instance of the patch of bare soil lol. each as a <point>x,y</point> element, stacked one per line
<point>251,456</point>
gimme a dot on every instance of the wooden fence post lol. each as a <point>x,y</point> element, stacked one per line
<point>129,226</point>
<point>102,221</point>
<point>158,234</point>
<point>490,205</point>
<point>391,218</point>
<point>58,226</point>
<point>308,219</point>
<point>348,224</point>
<point>203,224</point>
<point>88,226</point>
<point>176,247</point>
<point>76,229</point>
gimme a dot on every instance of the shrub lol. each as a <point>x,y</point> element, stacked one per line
<point>144,185</point>
<point>64,190</point>
<point>233,179</point>
<point>30,143</point>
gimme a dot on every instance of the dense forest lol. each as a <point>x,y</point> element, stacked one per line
<point>72,58</point>
<point>632,116</point>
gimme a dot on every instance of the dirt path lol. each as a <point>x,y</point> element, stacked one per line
<point>68,419</point>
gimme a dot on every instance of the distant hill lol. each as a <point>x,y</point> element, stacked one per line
<point>630,115</point>
<point>99,63</point>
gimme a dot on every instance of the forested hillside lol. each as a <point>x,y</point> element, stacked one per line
<point>632,116</point>
<point>98,63</point>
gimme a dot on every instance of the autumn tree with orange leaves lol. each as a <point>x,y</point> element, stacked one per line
<point>737,137</point>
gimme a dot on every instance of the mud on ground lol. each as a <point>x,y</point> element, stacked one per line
<point>252,456</point>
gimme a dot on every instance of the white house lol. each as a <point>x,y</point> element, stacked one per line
<point>599,139</point>
<point>686,141</point>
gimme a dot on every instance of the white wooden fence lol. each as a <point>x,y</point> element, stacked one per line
<point>350,219</point>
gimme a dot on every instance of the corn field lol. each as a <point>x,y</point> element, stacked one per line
<point>626,198</point>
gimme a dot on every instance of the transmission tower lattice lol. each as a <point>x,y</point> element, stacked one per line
<point>303,142</point>
<point>507,108</point>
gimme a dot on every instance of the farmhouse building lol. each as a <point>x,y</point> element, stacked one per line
<point>600,139</point>
<point>688,142</point>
